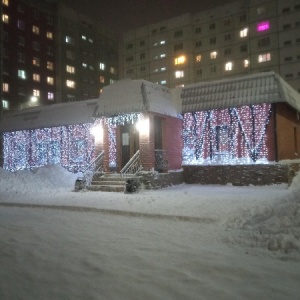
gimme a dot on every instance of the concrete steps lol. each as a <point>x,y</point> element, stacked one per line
<point>107,183</point>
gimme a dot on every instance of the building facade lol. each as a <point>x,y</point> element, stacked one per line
<point>51,54</point>
<point>236,39</point>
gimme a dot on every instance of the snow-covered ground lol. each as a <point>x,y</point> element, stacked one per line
<point>182,242</point>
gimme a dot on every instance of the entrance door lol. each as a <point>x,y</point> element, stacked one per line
<point>129,142</point>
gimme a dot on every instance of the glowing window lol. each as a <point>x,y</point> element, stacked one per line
<point>35,29</point>
<point>213,55</point>
<point>49,35</point>
<point>102,79</point>
<point>5,104</point>
<point>22,74</point>
<point>162,42</point>
<point>102,66</point>
<point>228,66</point>
<point>36,77</point>
<point>163,55</point>
<point>198,58</point>
<point>180,60</point>
<point>5,2</point>
<point>70,69</point>
<point>112,70</point>
<point>246,63</point>
<point>50,80</point>
<point>263,26</point>
<point>36,93</point>
<point>264,57</point>
<point>5,87</point>
<point>5,19</point>
<point>244,32</point>
<point>70,84</point>
<point>179,74</point>
<point>50,65</point>
<point>83,37</point>
<point>36,61</point>
<point>69,40</point>
<point>50,96</point>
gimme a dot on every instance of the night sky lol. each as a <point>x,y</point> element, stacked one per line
<point>122,15</point>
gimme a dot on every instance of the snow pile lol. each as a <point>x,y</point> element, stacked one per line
<point>51,177</point>
<point>276,228</point>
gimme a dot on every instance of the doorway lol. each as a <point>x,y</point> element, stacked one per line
<point>129,142</point>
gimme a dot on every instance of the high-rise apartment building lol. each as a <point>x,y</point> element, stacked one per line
<point>239,38</point>
<point>50,53</point>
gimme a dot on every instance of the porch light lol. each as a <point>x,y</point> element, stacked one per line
<point>33,99</point>
<point>143,126</point>
<point>97,132</point>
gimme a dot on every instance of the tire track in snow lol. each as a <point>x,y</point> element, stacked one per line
<point>122,213</point>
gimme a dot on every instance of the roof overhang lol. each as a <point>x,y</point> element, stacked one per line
<point>55,115</point>
<point>267,87</point>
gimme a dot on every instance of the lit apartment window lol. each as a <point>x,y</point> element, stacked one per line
<point>36,46</point>
<point>70,69</point>
<point>84,65</point>
<point>264,57</point>
<point>5,87</point>
<point>263,26</point>
<point>50,65</point>
<point>5,18</point>
<point>50,96</point>
<point>244,32</point>
<point>70,54</point>
<point>36,93</point>
<point>246,63</point>
<point>163,55</point>
<point>83,37</point>
<point>5,2</point>
<point>198,58</point>
<point>101,79</point>
<point>35,29</point>
<point>50,80</point>
<point>102,66</point>
<point>179,74</point>
<point>112,70</point>
<point>91,40</point>
<point>36,61</point>
<point>70,84</point>
<point>111,81</point>
<point>91,68</point>
<point>5,104</point>
<point>21,57</point>
<point>162,42</point>
<point>36,77</point>
<point>22,74</point>
<point>49,35</point>
<point>228,66</point>
<point>213,55</point>
<point>180,60</point>
<point>21,24</point>
<point>69,40</point>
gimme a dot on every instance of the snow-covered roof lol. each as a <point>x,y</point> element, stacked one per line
<point>127,96</point>
<point>50,116</point>
<point>267,87</point>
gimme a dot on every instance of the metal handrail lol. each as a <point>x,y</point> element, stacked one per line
<point>133,166</point>
<point>95,166</point>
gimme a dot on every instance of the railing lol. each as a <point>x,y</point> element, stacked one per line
<point>161,160</point>
<point>95,166</point>
<point>133,166</point>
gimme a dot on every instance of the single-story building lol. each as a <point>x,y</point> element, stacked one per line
<point>137,125</point>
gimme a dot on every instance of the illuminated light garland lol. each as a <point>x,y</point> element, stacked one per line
<point>226,136</point>
<point>123,119</point>
<point>70,146</point>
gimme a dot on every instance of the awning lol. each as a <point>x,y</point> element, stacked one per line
<point>259,88</point>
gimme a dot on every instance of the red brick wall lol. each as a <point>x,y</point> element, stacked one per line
<point>172,141</point>
<point>288,132</point>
